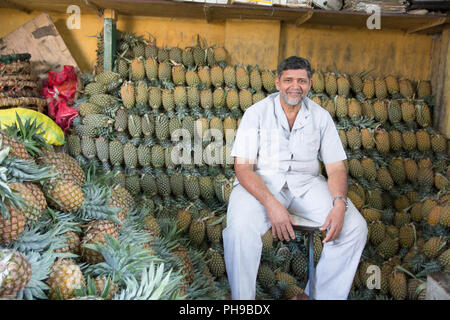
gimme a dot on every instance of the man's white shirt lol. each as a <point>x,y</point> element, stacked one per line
<point>287,156</point>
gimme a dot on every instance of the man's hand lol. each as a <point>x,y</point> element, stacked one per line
<point>281,221</point>
<point>335,220</point>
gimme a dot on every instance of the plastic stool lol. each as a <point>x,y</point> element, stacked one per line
<point>309,227</point>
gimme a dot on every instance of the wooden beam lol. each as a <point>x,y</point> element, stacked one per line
<point>303,18</point>
<point>427,25</point>
<point>207,12</point>
<point>100,11</point>
<point>14,5</point>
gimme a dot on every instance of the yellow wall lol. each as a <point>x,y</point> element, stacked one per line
<point>265,43</point>
<point>257,42</point>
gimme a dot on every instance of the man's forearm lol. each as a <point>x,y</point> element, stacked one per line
<point>337,183</point>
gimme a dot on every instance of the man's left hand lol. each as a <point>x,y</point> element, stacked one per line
<point>334,220</point>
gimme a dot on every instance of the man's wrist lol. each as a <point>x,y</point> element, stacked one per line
<point>340,202</point>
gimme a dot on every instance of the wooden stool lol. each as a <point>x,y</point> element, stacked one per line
<point>309,227</point>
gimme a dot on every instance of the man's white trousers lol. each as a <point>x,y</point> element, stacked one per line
<point>247,221</point>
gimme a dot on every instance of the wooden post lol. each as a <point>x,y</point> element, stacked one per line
<point>442,85</point>
<point>109,37</point>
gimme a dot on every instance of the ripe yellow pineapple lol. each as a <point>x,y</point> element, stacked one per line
<point>64,279</point>
<point>15,271</point>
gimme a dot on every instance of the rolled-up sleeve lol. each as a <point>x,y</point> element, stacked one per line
<point>331,149</point>
<point>246,142</point>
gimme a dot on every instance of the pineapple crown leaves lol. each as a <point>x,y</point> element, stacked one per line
<point>121,260</point>
<point>89,289</point>
<point>154,284</point>
<point>21,170</point>
<point>36,238</point>
<point>431,266</point>
<point>30,133</point>
<point>95,204</point>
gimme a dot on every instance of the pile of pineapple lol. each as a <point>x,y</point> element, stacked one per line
<point>397,163</point>
<point>398,178</point>
<point>69,232</point>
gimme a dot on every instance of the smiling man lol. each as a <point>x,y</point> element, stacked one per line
<point>276,152</point>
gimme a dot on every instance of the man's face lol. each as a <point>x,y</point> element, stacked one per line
<point>293,85</point>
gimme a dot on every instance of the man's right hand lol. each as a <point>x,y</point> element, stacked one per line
<point>281,221</point>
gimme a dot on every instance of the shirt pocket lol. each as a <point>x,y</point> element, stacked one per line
<point>306,145</point>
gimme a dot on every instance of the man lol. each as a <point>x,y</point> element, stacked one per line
<point>277,172</point>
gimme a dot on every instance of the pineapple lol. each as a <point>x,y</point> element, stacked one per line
<point>381,91</point>
<point>423,115</point>
<point>433,247</point>
<point>197,232</point>
<point>384,179</point>
<point>204,75</point>
<point>266,276</point>
<point>216,263</point>
<point>343,85</point>
<point>382,141</point>
<point>168,100</point>
<point>137,68</point>
<point>165,71</point>
<point>115,153</point>
<point>397,285</point>
<point>423,140</point>
<point>330,84</point>
<point>353,138</point>
<point>34,197</point>
<point>187,57</point>
<point>242,77</point>
<point>268,80</point>
<point>16,272</point>
<point>216,74</point>
<point>341,107</point>
<point>64,279</point>
<point>255,79</point>
<point>245,99</point>
<point>406,88</point>
<point>392,84</point>
<point>394,111</point>
<point>423,89</point>
<point>408,111</point>
<point>151,69</point>
<point>368,87</point>
<point>354,108</point>
<point>127,93</point>
<point>154,97</point>
<point>318,81</point>
<point>409,140</point>
<point>16,148</point>
<point>95,232</point>
<point>220,55</point>
<point>381,111</point>
<point>64,195</point>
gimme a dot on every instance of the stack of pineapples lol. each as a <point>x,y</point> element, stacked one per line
<point>397,163</point>
<point>128,120</point>
<point>399,178</point>
<point>68,232</point>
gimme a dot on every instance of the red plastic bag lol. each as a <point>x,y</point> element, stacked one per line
<point>59,90</point>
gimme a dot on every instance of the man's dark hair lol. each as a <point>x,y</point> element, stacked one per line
<point>293,63</point>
